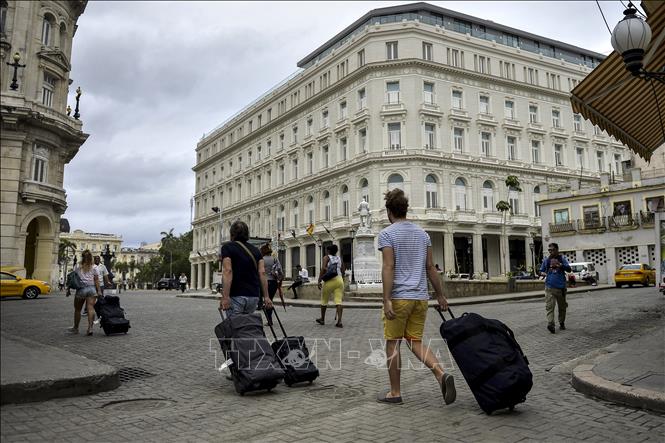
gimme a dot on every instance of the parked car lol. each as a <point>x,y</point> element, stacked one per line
<point>11,285</point>
<point>576,269</point>
<point>631,274</point>
<point>167,283</point>
<point>523,275</point>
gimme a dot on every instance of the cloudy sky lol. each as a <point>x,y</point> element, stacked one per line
<point>156,76</point>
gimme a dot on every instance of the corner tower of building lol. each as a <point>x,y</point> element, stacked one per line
<point>38,137</point>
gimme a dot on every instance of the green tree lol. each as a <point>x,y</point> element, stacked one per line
<point>512,183</point>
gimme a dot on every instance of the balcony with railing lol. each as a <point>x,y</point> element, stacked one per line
<point>596,225</point>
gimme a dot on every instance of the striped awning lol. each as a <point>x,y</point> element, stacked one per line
<point>629,108</point>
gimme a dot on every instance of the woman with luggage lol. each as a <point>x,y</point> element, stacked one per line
<point>331,282</point>
<point>272,265</point>
<point>88,293</point>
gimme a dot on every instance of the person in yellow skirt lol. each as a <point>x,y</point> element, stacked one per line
<point>331,282</point>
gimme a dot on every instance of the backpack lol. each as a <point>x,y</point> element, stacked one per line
<point>74,280</point>
<point>276,271</point>
<point>331,271</point>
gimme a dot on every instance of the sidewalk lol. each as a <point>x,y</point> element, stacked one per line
<point>32,371</point>
<point>375,303</point>
<point>630,373</point>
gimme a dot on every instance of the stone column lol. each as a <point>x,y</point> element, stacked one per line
<point>477,253</point>
<point>527,253</point>
<point>611,265</point>
<point>206,284</point>
<point>505,259</point>
<point>192,276</point>
<point>448,252</point>
<point>199,275</point>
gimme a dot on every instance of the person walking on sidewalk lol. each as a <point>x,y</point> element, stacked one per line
<point>554,269</point>
<point>273,276</point>
<point>243,273</point>
<point>407,264</point>
<point>88,293</point>
<point>333,264</point>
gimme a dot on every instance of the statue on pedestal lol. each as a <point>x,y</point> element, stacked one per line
<point>365,216</point>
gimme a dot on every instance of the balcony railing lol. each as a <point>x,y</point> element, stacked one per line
<point>642,219</point>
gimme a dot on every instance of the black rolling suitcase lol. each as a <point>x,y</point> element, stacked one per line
<point>111,316</point>
<point>293,355</point>
<point>490,359</point>
<point>242,340</point>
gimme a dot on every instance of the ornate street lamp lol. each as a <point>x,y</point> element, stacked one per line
<point>631,38</point>
<point>533,257</point>
<point>353,275</point>
<point>78,98</point>
<point>107,255</point>
<point>14,84</point>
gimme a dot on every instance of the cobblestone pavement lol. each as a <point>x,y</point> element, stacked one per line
<point>188,400</point>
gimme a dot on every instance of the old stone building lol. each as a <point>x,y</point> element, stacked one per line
<point>38,137</point>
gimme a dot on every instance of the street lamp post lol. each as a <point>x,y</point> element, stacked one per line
<point>78,98</point>
<point>107,255</point>
<point>353,275</point>
<point>14,84</point>
<point>533,257</point>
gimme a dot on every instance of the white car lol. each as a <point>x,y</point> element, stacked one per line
<point>577,270</point>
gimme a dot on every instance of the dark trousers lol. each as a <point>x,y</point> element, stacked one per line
<point>272,289</point>
<point>293,287</point>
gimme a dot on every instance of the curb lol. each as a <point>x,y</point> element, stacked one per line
<point>452,302</point>
<point>587,382</point>
<point>67,387</point>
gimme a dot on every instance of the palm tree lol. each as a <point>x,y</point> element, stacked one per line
<point>167,246</point>
<point>63,253</point>
<point>512,183</point>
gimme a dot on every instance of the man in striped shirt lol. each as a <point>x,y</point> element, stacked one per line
<point>407,263</point>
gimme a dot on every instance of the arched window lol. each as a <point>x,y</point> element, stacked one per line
<point>536,195</point>
<point>345,201</point>
<point>364,189</point>
<point>460,194</point>
<point>395,181</point>
<point>47,29</point>
<point>514,200</point>
<point>430,191</point>
<point>326,206</point>
<point>310,209</point>
<point>281,218</point>
<point>62,40</point>
<point>294,209</point>
<point>488,196</point>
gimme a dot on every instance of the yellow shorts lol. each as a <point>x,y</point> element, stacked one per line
<point>335,286</point>
<point>409,321</point>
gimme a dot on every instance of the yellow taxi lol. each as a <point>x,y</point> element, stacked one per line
<point>12,285</point>
<point>635,273</point>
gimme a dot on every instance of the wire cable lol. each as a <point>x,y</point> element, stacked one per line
<point>631,3</point>
<point>603,15</point>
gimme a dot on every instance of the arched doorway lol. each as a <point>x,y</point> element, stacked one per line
<point>40,254</point>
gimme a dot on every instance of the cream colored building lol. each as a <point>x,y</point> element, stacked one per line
<point>441,104</point>
<point>94,241</point>
<point>38,138</point>
<point>138,256</point>
<point>611,224</point>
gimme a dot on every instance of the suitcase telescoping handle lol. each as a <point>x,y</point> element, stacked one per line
<point>274,312</point>
<point>441,313</point>
<point>223,313</point>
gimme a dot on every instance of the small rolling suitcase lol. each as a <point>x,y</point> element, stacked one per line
<point>242,340</point>
<point>490,359</point>
<point>111,316</point>
<point>293,355</point>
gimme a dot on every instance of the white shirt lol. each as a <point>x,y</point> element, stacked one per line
<point>304,275</point>
<point>101,270</point>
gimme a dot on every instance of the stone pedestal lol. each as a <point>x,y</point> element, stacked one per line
<point>366,267</point>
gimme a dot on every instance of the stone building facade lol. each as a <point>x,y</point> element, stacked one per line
<point>38,138</point>
<point>611,224</point>
<point>441,104</point>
